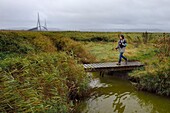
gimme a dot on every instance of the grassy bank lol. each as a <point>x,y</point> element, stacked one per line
<point>41,72</point>
<point>156,75</point>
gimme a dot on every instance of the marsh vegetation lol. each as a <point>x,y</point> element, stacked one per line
<point>42,71</point>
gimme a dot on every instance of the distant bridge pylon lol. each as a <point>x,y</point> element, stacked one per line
<point>39,27</point>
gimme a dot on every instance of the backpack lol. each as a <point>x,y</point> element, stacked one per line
<point>122,44</point>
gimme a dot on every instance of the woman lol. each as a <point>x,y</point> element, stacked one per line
<point>121,46</point>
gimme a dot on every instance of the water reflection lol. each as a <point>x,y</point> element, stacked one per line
<point>114,94</point>
<point>118,105</point>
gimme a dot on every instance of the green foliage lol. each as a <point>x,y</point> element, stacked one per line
<point>11,42</point>
<point>35,42</point>
<point>74,49</point>
<point>150,48</point>
<point>39,71</point>
<point>95,38</point>
<point>40,83</point>
<point>156,76</point>
<point>37,76</point>
<point>157,80</point>
<point>163,45</point>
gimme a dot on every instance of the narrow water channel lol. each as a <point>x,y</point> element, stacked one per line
<point>115,94</point>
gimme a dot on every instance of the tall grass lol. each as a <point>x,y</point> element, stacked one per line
<point>156,76</point>
<point>40,83</point>
<point>41,71</point>
<point>36,76</point>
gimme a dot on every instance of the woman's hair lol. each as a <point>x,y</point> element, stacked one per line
<point>122,36</point>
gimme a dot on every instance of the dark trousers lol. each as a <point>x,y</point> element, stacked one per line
<point>121,56</point>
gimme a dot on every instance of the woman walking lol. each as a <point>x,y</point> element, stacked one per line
<point>121,46</point>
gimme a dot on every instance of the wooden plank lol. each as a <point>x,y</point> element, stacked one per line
<point>112,66</point>
<point>85,66</point>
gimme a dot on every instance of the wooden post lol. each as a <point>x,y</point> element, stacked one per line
<point>102,73</point>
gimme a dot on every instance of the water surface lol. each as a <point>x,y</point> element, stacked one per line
<point>115,94</point>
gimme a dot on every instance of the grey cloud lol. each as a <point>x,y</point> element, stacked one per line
<point>78,14</point>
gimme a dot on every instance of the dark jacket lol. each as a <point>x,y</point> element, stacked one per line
<point>121,45</point>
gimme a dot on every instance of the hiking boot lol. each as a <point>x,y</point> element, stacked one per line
<point>118,64</point>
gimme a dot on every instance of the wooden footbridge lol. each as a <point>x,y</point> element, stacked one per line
<point>112,66</point>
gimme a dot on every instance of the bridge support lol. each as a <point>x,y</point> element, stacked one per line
<point>102,73</point>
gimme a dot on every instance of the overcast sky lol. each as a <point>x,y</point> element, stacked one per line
<point>86,14</point>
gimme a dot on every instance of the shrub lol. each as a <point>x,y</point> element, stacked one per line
<point>11,42</point>
<point>155,78</point>
<point>44,44</point>
<point>35,42</point>
<point>74,49</point>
